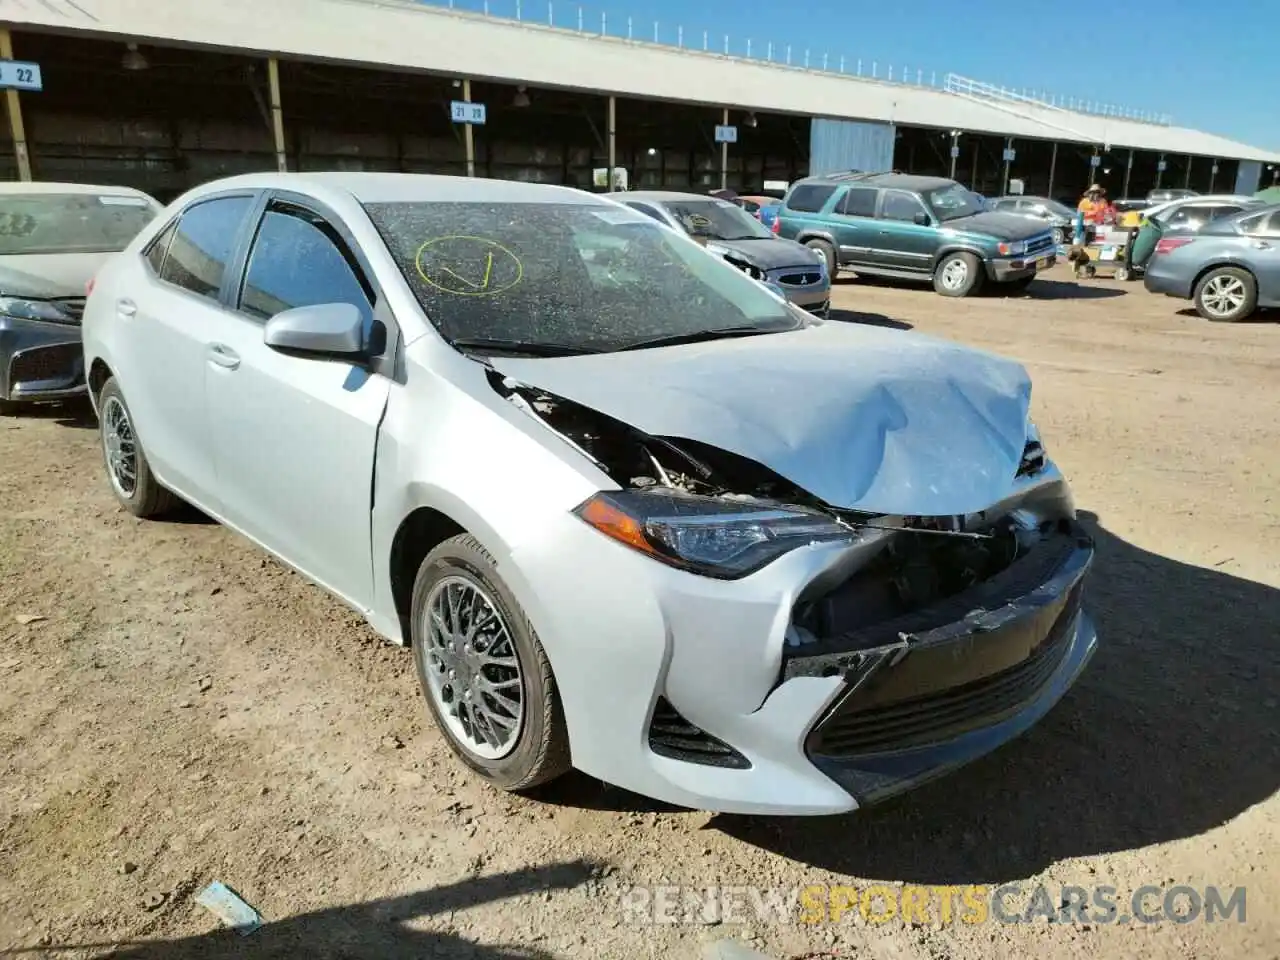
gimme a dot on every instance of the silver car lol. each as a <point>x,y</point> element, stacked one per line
<point>729,231</point>
<point>53,238</point>
<point>633,513</point>
<point>1057,215</point>
<point>1229,267</point>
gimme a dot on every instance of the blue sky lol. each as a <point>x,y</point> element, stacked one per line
<point>1212,65</point>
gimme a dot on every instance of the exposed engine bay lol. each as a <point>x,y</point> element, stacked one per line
<point>919,561</point>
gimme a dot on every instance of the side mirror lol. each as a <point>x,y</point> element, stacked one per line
<point>921,220</point>
<point>332,330</point>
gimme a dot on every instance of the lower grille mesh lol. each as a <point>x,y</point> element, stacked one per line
<point>59,362</point>
<point>671,735</point>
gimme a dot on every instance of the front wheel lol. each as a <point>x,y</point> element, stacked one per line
<point>1226,295</point>
<point>1059,236</point>
<point>485,676</point>
<point>828,253</point>
<point>957,275</point>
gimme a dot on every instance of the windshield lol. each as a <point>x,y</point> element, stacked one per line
<point>35,223</point>
<point>953,202</point>
<point>716,220</point>
<point>581,276</point>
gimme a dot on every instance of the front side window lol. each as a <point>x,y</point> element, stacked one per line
<point>54,223</point>
<point>900,206</point>
<point>159,246</point>
<point>570,276</point>
<point>299,260</point>
<point>203,244</point>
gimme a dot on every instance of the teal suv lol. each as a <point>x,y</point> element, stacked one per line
<point>914,228</point>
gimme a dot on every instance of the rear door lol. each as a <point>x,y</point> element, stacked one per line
<point>166,315</point>
<point>1264,257</point>
<point>902,243</point>
<point>855,228</point>
<point>294,437</point>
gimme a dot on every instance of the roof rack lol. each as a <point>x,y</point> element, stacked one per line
<point>858,174</point>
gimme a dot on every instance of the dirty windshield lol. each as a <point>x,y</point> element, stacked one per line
<point>575,276</point>
<point>44,223</point>
<point>717,220</point>
<point>953,202</point>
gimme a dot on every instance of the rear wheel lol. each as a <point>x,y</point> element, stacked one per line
<point>132,481</point>
<point>957,275</point>
<point>1226,295</point>
<point>828,253</point>
<point>485,676</point>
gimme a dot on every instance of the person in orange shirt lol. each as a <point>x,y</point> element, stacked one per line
<point>1094,206</point>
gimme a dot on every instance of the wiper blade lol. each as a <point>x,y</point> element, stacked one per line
<point>699,336</point>
<point>532,348</point>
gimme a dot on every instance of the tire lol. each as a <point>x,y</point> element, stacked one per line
<point>145,497</point>
<point>1059,236</point>
<point>1226,295</point>
<point>957,275</point>
<point>8,408</point>
<point>537,750</point>
<point>828,254</point>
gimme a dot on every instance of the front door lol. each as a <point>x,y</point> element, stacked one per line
<point>294,437</point>
<point>906,238</point>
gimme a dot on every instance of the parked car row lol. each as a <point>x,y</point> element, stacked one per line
<point>632,512</point>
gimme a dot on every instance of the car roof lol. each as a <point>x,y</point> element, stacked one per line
<point>51,187</point>
<point>897,181</point>
<point>405,188</point>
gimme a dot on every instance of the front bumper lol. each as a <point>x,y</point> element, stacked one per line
<point>807,287</point>
<point>1019,268</point>
<point>40,361</point>
<point>693,691</point>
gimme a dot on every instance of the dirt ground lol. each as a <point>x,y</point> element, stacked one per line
<point>187,711</point>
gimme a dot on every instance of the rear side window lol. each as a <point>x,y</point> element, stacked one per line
<point>859,202</point>
<point>205,238</point>
<point>809,197</point>
<point>155,253</point>
<point>1271,228</point>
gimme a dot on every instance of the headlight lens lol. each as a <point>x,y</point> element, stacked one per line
<point>713,537</point>
<point>1015,249</point>
<point>34,310</point>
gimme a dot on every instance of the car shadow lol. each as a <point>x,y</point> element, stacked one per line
<point>1173,730</point>
<point>184,514</point>
<point>375,930</point>
<point>1043,289</point>
<point>1263,315</point>
<point>870,319</point>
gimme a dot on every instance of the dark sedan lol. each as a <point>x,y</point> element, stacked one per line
<point>53,238</point>
<point>1228,268</point>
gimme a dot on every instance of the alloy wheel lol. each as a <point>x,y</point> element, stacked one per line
<point>954,274</point>
<point>1223,295</point>
<point>121,448</point>
<point>472,668</point>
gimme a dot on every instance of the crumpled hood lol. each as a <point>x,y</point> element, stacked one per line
<point>767,254</point>
<point>46,276</point>
<point>861,417</point>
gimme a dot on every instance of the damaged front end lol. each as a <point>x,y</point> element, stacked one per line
<point>948,634</point>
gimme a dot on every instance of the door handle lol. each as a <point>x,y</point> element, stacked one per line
<point>1261,245</point>
<point>223,356</point>
<point>126,308</point>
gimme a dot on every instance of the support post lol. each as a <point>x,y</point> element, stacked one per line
<point>1213,175</point>
<point>1128,172</point>
<point>277,114</point>
<point>1008,145</point>
<point>613,141</point>
<point>955,153</point>
<point>469,133</point>
<point>1159,172</point>
<point>1053,168</point>
<point>724,156</point>
<point>1186,183</point>
<point>14,108</point>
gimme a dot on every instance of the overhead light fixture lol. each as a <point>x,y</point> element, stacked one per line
<point>521,99</point>
<point>133,59</point>
<point>653,151</point>
<point>751,120</point>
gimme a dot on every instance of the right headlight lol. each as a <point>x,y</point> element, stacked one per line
<point>23,309</point>
<point>714,537</point>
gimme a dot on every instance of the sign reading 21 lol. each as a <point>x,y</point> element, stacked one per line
<point>462,111</point>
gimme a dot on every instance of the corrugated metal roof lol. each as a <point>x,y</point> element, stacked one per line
<point>397,34</point>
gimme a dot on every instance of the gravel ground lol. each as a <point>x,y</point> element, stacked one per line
<point>186,710</point>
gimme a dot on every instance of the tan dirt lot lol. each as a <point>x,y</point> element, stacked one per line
<point>188,710</point>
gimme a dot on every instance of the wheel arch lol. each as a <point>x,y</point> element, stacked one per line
<point>420,532</point>
<point>99,374</point>
<point>1218,265</point>
<point>950,248</point>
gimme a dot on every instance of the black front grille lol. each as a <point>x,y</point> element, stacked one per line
<point>61,362</point>
<point>851,730</point>
<point>671,735</point>
<point>74,307</point>
<point>1032,460</point>
<point>1040,244</point>
<point>800,279</point>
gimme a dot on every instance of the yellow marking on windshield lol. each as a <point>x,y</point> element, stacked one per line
<point>449,264</point>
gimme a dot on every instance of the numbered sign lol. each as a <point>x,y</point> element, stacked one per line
<point>1095,161</point>
<point>955,153</point>
<point>1010,154</point>
<point>463,111</point>
<point>1162,166</point>
<point>18,75</point>
<point>726,134</point>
